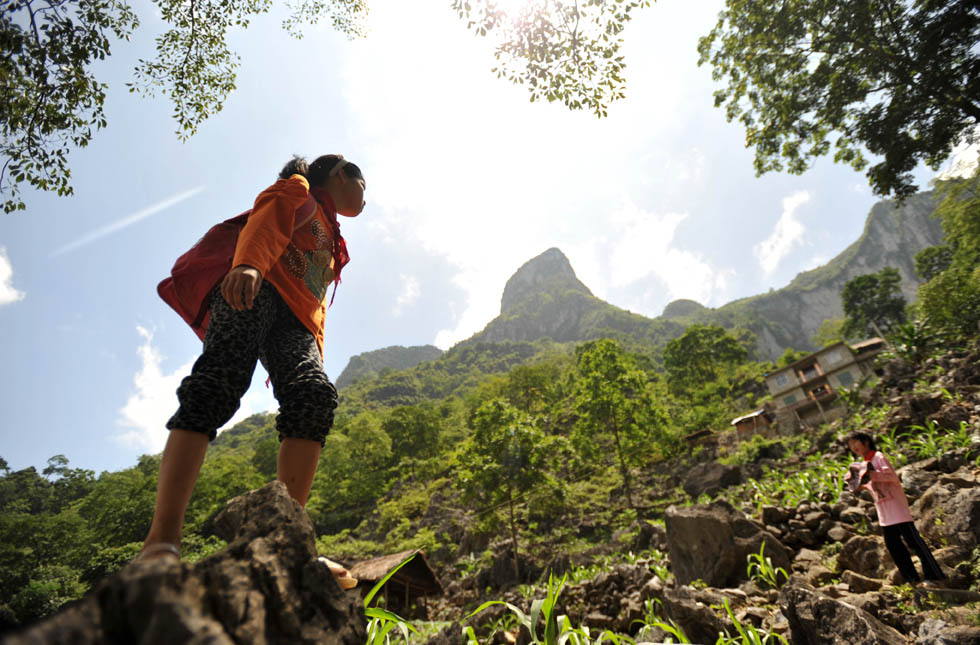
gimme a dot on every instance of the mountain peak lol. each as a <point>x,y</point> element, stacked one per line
<point>549,272</point>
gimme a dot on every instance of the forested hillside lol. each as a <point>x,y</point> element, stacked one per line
<point>507,460</point>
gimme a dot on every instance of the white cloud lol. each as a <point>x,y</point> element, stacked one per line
<point>155,400</point>
<point>8,293</point>
<point>461,165</point>
<point>409,294</point>
<point>787,234</point>
<point>642,259</point>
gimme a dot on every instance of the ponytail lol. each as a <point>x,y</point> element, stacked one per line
<point>318,172</point>
<point>295,166</point>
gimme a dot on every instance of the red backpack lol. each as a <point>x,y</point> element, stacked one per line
<point>197,271</point>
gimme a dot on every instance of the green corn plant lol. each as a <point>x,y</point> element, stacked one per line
<point>651,618</point>
<point>748,634</point>
<point>542,608</point>
<point>382,622</point>
<point>760,568</point>
<point>558,630</point>
<point>569,635</point>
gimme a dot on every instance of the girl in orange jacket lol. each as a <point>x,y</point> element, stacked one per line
<point>269,307</point>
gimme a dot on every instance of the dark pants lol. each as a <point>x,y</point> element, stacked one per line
<point>235,340</point>
<point>899,538</point>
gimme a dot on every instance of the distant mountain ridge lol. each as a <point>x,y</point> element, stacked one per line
<point>395,357</point>
<point>789,317</point>
<point>544,299</point>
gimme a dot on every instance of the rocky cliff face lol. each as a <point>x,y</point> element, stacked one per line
<point>789,317</point>
<point>544,298</point>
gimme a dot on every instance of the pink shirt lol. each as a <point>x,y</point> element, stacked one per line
<point>886,488</point>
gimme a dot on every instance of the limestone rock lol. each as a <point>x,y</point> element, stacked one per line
<point>710,478</point>
<point>266,586</point>
<point>712,542</point>
<point>933,631</point>
<point>865,554</point>
<point>856,583</point>
<point>816,619</point>
<point>949,513</point>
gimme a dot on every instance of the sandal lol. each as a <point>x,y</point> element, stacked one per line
<point>340,574</point>
<point>157,550</point>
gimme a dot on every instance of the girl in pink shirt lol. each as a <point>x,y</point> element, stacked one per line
<point>877,475</point>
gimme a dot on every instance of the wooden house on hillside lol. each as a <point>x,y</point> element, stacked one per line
<point>405,592</point>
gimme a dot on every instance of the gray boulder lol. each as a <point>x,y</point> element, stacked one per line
<point>866,555</point>
<point>817,619</point>
<point>710,478</point>
<point>934,631</point>
<point>711,542</point>
<point>949,511</point>
<point>266,586</point>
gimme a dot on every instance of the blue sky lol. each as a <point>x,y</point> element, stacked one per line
<point>467,180</point>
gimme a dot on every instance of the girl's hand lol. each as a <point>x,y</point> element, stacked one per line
<point>240,287</point>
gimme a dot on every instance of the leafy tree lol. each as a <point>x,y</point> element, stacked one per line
<point>52,100</point>
<point>265,459</point>
<point>933,260</point>
<point>119,507</point>
<point>615,407</point>
<point>900,80</point>
<point>829,332</point>
<point>790,356</point>
<point>504,460</point>
<point>560,50</point>
<point>950,301</point>
<point>700,354</point>
<point>873,303</point>
<point>414,431</point>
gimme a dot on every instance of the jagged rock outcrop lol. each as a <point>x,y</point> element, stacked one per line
<point>789,317</point>
<point>395,357</point>
<point>817,619</point>
<point>545,299</point>
<point>711,542</point>
<point>266,586</point>
<point>550,272</point>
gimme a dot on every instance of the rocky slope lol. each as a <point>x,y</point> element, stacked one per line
<point>841,585</point>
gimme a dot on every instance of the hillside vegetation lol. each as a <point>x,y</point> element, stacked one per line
<point>510,461</point>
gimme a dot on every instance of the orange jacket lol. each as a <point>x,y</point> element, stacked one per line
<point>297,263</point>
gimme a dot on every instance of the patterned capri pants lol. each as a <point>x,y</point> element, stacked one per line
<point>268,332</point>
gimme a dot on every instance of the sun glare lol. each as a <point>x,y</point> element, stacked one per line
<point>513,8</point>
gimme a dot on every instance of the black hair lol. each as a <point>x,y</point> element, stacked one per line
<point>864,438</point>
<point>319,171</point>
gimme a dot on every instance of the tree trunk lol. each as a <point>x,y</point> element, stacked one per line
<point>513,534</point>
<point>624,471</point>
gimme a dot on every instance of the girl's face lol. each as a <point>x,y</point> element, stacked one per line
<point>857,447</point>
<point>347,194</point>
